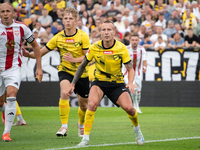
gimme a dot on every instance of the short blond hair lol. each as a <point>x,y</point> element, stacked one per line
<point>72,11</point>
<point>12,8</point>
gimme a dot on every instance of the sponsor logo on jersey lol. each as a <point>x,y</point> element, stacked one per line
<point>69,41</point>
<point>3,33</point>
<point>16,33</point>
<point>9,30</point>
<point>108,52</point>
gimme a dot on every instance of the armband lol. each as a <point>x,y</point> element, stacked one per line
<point>30,39</point>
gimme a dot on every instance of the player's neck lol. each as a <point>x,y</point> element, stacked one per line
<point>133,47</point>
<point>7,23</point>
<point>70,32</point>
<point>108,44</point>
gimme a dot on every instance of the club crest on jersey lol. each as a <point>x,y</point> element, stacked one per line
<point>108,52</point>
<point>77,44</point>
<point>69,41</point>
<point>116,57</point>
<point>16,33</point>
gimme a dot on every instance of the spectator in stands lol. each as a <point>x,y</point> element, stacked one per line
<point>159,31</point>
<point>89,6</point>
<point>171,6</point>
<point>119,24</point>
<point>126,38</point>
<point>139,3</point>
<point>174,17</point>
<point>146,2</point>
<point>33,22</point>
<point>46,36</point>
<point>59,13</point>
<point>150,31</point>
<point>152,3</point>
<point>153,25</point>
<point>165,11</point>
<point>104,7</point>
<point>159,6</point>
<point>147,9</point>
<point>196,10</point>
<point>170,30</point>
<point>112,12</point>
<point>82,27</point>
<point>142,18</point>
<point>178,29</point>
<point>190,21</point>
<point>97,14</point>
<point>85,17</point>
<point>82,9</point>
<point>118,35</point>
<point>95,9</point>
<point>61,4</point>
<point>48,6</point>
<point>136,20</point>
<point>98,2</point>
<point>197,30</point>
<point>126,15</point>
<point>177,41</point>
<point>98,25</point>
<point>93,35</point>
<point>131,4</point>
<point>146,42</point>
<point>125,28</point>
<point>154,15</point>
<point>53,12</point>
<point>142,32</point>
<point>38,40</point>
<point>45,19</point>
<point>160,44</point>
<point>34,8</point>
<point>39,28</point>
<point>147,22</point>
<point>59,27</point>
<point>119,6</point>
<point>135,11</point>
<point>40,6</point>
<point>190,39</point>
<point>161,20</point>
<point>15,16</point>
<point>90,24</point>
<point>132,27</point>
<point>24,10</point>
<point>75,5</point>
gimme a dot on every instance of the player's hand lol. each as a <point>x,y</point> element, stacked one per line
<point>71,89</point>
<point>131,87</point>
<point>39,74</point>
<point>68,57</point>
<point>25,52</point>
<point>144,69</point>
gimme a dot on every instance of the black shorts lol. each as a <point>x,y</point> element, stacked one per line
<point>81,87</point>
<point>111,89</point>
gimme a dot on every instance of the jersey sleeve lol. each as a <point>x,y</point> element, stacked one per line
<point>90,53</point>
<point>27,32</point>
<point>125,57</point>
<point>52,43</point>
<point>86,41</point>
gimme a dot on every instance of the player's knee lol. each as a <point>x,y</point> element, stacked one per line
<point>12,93</point>
<point>64,95</point>
<point>130,111</point>
<point>92,106</point>
<point>83,108</point>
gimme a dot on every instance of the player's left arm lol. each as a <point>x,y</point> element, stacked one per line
<point>68,57</point>
<point>77,75</point>
<point>131,75</point>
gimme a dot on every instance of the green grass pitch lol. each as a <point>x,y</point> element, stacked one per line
<point>111,126</point>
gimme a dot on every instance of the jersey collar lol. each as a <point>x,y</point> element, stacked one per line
<point>71,35</point>
<point>108,47</point>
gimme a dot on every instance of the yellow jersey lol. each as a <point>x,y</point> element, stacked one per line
<point>61,4</point>
<point>108,61</point>
<point>75,45</point>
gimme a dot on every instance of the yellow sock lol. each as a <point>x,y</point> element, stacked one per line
<point>81,116</point>
<point>18,112</point>
<point>134,118</point>
<point>89,119</point>
<point>64,109</point>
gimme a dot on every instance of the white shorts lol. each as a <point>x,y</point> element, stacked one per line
<point>136,80</point>
<point>10,77</point>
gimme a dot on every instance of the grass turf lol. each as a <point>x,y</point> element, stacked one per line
<point>111,125</point>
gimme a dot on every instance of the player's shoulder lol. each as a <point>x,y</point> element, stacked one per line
<point>79,31</point>
<point>18,23</point>
<point>97,44</point>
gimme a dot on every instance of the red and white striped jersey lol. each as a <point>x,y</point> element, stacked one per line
<point>11,44</point>
<point>137,57</point>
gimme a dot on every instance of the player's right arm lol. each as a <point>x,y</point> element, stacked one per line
<point>43,51</point>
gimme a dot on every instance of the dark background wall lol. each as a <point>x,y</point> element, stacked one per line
<point>182,93</point>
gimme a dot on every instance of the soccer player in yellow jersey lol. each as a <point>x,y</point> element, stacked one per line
<point>73,45</point>
<point>109,54</point>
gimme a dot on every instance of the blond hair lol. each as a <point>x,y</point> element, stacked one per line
<point>72,11</point>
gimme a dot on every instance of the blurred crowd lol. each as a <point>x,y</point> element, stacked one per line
<point>160,24</point>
